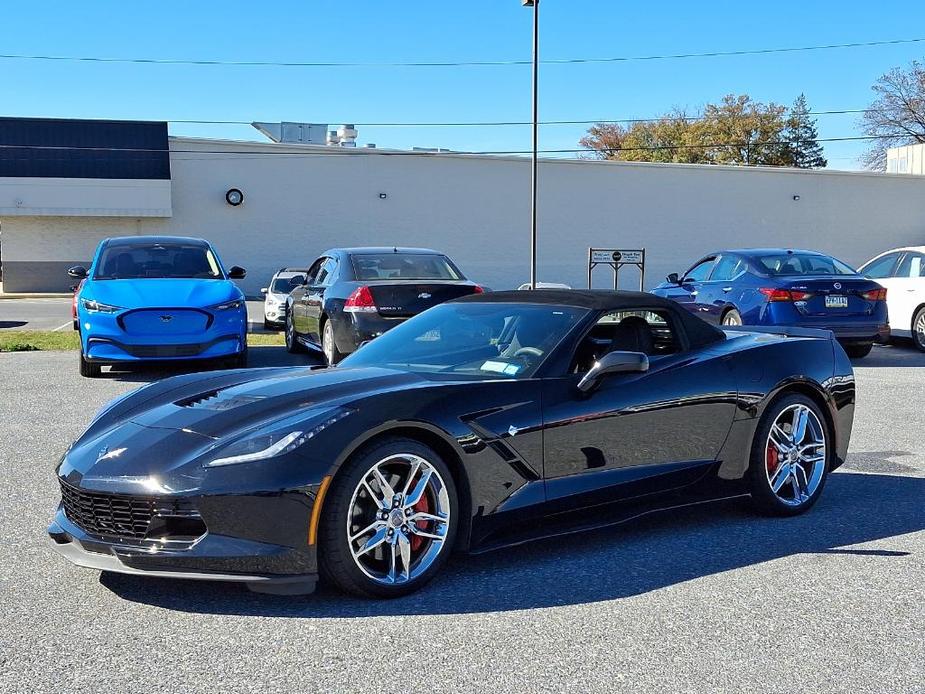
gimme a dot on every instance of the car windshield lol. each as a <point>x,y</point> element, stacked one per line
<point>284,285</point>
<point>403,266</point>
<point>801,264</point>
<point>477,339</point>
<point>157,261</point>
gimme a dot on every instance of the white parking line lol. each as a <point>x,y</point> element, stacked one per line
<point>62,327</point>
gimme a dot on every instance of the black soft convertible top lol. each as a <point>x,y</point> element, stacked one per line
<point>699,333</point>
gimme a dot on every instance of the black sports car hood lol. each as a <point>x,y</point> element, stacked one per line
<point>218,410</point>
<point>154,432</point>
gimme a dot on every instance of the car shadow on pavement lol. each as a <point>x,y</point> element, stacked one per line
<point>899,353</point>
<point>257,357</point>
<point>648,554</point>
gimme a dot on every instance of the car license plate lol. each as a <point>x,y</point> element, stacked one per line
<point>836,301</point>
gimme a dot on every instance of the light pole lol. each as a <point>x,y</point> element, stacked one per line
<point>535,4</point>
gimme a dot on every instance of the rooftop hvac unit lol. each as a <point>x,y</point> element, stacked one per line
<point>288,132</point>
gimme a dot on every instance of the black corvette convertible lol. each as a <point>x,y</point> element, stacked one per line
<point>483,422</point>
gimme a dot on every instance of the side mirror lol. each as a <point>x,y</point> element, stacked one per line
<point>299,280</point>
<point>673,278</point>
<point>613,363</point>
<point>78,272</point>
<point>237,272</point>
<point>263,290</point>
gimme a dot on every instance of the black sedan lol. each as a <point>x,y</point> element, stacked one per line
<point>483,422</point>
<point>352,295</point>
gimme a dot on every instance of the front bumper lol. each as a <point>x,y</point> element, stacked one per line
<point>274,314</point>
<point>104,340</point>
<point>269,564</point>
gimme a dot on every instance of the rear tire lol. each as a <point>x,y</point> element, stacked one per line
<point>332,355</point>
<point>859,351</point>
<point>732,318</point>
<point>918,329</point>
<point>88,369</point>
<point>352,504</point>
<point>788,459</point>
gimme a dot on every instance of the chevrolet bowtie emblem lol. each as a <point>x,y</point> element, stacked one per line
<point>166,319</point>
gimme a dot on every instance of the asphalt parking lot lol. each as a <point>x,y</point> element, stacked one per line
<point>708,599</point>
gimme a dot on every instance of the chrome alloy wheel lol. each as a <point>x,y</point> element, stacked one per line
<point>397,519</point>
<point>918,330</point>
<point>795,455</point>
<point>327,343</point>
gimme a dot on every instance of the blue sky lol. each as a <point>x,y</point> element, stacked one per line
<point>421,30</point>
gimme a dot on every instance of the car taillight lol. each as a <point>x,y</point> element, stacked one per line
<point>360,301</point>
<point>774,294</point>
<point>875,294</point>
<point>478,289</point>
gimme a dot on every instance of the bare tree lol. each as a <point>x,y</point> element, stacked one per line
<point>897,116</point>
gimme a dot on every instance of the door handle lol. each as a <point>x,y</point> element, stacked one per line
<point>694,293</point>
<point>727,289</point>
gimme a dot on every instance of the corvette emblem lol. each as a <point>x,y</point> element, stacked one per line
<point>513,431</point>
<point>166,319</point>
<point>424,295</point>
<point>106,454</point>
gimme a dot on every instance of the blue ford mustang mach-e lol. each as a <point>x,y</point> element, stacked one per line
<point>149,298</point>
<point>779,286</point>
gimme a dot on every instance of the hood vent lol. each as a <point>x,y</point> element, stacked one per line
<point>217,400</point>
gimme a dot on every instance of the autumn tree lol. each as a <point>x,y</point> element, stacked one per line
<point>738,130</point>
<point>897,115</point>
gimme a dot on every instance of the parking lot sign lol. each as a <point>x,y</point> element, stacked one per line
<point>616,258</point>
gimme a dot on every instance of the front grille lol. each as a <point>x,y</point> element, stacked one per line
<point>116,515</point>
<point>154,351</point>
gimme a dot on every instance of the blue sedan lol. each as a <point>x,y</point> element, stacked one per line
<point>161,298</point>
<point>774,286</point>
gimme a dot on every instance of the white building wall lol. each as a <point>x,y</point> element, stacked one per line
<point>906,160</point>
<point>301,200</point>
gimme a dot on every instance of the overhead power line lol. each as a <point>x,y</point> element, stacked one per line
<point>338,151</point>
<point>502,123</point>
<point>445,64</point>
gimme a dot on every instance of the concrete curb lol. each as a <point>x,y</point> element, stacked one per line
<point>35,296</point>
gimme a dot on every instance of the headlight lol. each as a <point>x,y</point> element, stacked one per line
<point>263,446</point>
<point>97,307</point>
<point>228,305</point>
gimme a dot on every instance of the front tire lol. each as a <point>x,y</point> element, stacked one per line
<point>859,351</point>
<point>791,457</point>
<point>239,361</point>
<point>918,329</point>
<point>390,521</point>
<point>292,343</point>
<point>88,369</point>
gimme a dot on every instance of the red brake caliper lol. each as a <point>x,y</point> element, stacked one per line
<point>772,459</point>
<point>422,506</point>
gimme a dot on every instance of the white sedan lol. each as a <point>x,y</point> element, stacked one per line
<point>902,272</point>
